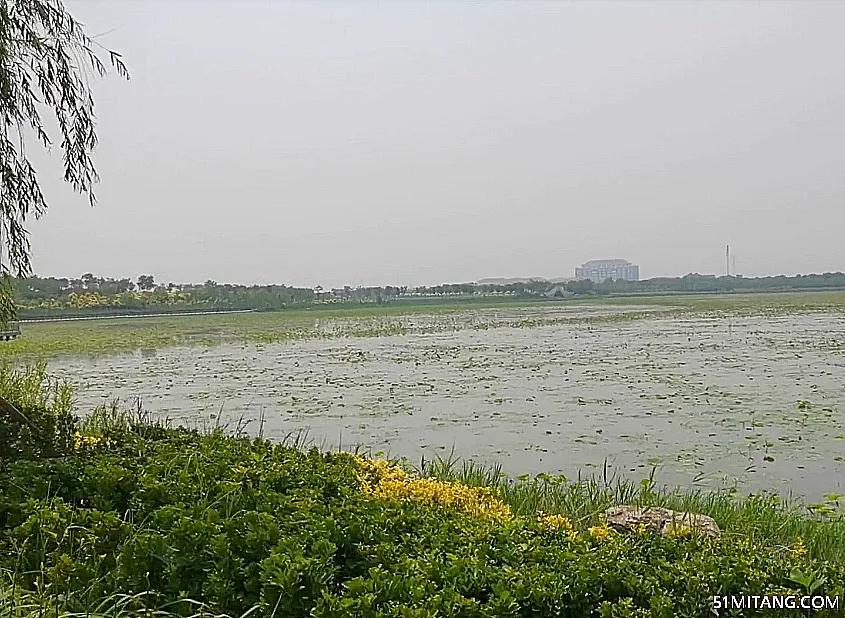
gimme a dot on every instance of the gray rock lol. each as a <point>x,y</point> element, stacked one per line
<point>662,521</point>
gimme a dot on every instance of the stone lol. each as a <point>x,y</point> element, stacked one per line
<point>666,522</point>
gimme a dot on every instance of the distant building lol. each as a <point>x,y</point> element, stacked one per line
<point>601,270</point>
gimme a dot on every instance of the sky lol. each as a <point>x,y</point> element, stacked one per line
<point>416,143</point>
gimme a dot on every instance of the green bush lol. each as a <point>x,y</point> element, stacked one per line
<point>181,519</point>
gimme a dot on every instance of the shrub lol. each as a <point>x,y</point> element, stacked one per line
<point>244,525</point>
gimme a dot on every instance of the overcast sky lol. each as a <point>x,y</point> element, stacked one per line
<point>415,143</point>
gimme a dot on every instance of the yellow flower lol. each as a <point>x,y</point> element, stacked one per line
<point>679,531</point>
<point>81,441</point>
<point>383,480</point>
<point>798,549</point>
<point>557,522</point>
<point>602,532</point>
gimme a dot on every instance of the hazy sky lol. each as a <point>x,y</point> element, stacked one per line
<point>361,143</point>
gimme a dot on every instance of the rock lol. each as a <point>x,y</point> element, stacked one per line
<point>662,521</point>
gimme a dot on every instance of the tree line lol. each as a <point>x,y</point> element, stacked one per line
<point>48,295</point>
<point>36,296</point>
<point>695,283</point>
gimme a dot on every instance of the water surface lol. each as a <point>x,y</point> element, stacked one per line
<point>707,399</point>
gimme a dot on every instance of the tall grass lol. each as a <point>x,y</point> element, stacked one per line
<point>31,387</point>
<point>766,518</point>
<point>36,418</point>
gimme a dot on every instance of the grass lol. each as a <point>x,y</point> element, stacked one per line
<point>49,339</point>
<point>766,519</point>
<point>32,387</point>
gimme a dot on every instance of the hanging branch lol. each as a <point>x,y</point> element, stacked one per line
<point>45,62</point>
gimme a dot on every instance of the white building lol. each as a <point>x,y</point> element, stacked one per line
<point>600,271</point>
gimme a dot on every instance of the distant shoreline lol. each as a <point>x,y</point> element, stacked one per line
<point>123,316</point>
<point>418,301</point>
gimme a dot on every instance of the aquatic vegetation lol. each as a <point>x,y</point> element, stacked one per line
<point>708,401</point>
<point>106,336</point>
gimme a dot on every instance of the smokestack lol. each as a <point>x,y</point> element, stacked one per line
<point>728,260</point>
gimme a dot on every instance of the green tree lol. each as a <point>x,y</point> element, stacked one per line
<point>146,282</point>
<point>89,281</point>
<point>584,286</point>
<point>45,61</point>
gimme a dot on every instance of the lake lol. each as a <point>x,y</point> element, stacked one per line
<point>704,398</point>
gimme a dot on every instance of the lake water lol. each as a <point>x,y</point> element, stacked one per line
<point>707,400</point>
